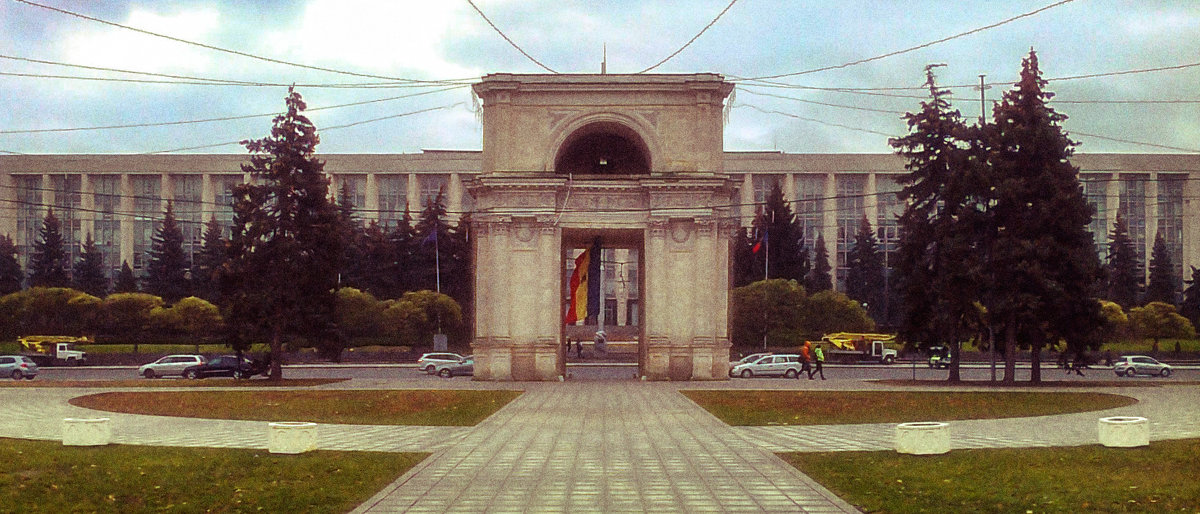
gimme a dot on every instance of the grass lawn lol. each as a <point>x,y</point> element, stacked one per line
<point>361,407</point>
<point>45,476</point>
<point>210,382</point>
<point>1161,477</point>
<point>756,408</point>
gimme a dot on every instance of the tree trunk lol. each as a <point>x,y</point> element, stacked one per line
<point>1010,352</point>
<point>276,355</point>
<point>955,358</point>
<point>1035,363</point>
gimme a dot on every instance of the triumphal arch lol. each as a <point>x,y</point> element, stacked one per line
<point>633,162</point>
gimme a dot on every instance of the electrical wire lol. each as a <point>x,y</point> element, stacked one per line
<point>1142,143</point>
<point>690,41</point>
<point>840,106</point>
<point>220,49</point>
<point>506,38</point>
<point>812,120</point>
<point>225,118</point>
<point>914,48</point>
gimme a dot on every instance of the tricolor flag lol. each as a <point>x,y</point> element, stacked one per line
<point>759,244</point>
<point>585,286</point>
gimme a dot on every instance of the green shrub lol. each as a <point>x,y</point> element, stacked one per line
<point>48,311</point>
<point>359,313</point>
<point>127,315</point>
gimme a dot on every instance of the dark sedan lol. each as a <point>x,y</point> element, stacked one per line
<point>226,366</point>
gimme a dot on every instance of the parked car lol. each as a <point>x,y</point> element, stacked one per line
<point>170,365</point>
<point>749,358</point>
<point>430,361</point>
<point>226,366</point>
<point>1131,365</point>
<point>783,365</point>
<point>466,366</point>
<point>18,367</point>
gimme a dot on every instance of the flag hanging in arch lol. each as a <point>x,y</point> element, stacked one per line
<point>584,299</point>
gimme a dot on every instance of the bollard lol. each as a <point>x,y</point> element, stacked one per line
<point>292,437</point>
<point>923,438</point>
<point>86,431</point>
<point>1124,431</point>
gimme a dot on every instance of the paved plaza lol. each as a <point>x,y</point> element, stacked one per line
<point>604,446</point>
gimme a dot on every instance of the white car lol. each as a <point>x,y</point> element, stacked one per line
<point>170,365</point>
<point>1131,365</point>
<point>749,358</point>
<point>430,361</point>
<point>784,365</point>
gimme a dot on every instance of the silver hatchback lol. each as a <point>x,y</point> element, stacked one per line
<point>786,365</point>
<point>18,367</point>
<point>1131,365</point>
<point>170,365</point>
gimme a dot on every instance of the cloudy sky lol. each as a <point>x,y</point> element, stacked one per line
<point>378,42</point>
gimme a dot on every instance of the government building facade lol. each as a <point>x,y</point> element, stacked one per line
<point>635,162</point>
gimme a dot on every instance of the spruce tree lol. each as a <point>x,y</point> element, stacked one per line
<point>1043,259</point>
<point>207,266</point>
<point>1123,268</point>
<point>429,254</point>
<point>49,263</point>
<point>865,273</point>
<point>1190,308</point>
<point>90,274</point>
<point>783,254</point>
<point>404,244</point>
<point>11,276</point>
<point>1163,284</point>
<point>820,277</point>
<point>285,249</point>
<point>743,259</point>
<point>126,282</point>
<point>167,266</point>
<point>936,278</point>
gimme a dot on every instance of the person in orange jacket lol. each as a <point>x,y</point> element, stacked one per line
<point>805,359</point>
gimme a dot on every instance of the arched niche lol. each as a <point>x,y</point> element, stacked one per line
<point>603,148</point>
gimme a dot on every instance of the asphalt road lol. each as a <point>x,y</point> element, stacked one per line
<point>629,372</point>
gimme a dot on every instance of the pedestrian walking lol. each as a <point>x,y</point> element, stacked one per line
<point>818,358</point>
<point>806,360</point>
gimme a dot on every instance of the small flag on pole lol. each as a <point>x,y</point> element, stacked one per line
<point>759,244</point>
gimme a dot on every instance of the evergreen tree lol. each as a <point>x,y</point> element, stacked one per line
<point>743,259</point>
<point>285,250</point>
<point>783,254</point>
<point>167,266</point>
<point>49,263</point>
<point>1163,284</point>
<point>1043,259</point>
<point>126,282</point>
<point>935,270</point>
<point>11,276</point>
<point>1190,308</point>
<point>1123,269</point>
<point>212,256</point>
<point>404,243</point>
<point>374,269</point>
<point>865,271</point>
<point>429,255</point>
<point>820,277</point>
<point>89,275</point>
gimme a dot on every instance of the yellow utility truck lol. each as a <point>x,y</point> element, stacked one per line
<point>51,350</point>
<point>851,347</point>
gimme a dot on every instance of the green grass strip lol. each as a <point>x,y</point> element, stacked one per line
<point>356,407</point>
<point>758,408</point>
<point>45,476</point>
<point>1159,478</point>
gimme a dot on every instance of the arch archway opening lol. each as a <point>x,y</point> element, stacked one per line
<point>603,148</point>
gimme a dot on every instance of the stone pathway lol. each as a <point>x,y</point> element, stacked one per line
<point>603,446</point>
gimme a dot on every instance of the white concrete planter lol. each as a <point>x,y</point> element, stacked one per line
<point>86,431</point>
<point>1124,431</point>
<point>292,437</point>
<point>923,438</point>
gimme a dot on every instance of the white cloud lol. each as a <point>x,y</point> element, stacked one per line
<point>113,47</point>
<point>378,35</point>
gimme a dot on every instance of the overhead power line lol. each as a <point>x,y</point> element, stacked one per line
<point>840,106</point>
<point>225,118</point>
<point>1132,142</point>
<point>813,120</point>
<point>190,80</point>
<point>914,48</point>
<point>506,38</point>
<point>220,49</point>
<point>694,38</point>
